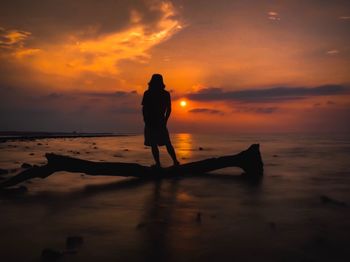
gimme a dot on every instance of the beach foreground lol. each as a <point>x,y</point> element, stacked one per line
<point>298,212</point>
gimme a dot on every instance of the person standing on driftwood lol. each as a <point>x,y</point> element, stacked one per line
<point>156,111</point>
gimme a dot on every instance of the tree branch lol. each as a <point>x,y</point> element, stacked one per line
<point>249,160</point>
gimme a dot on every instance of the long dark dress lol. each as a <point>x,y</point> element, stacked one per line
<point>155,105</point>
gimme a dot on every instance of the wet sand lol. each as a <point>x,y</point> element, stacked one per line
<point>218,217</point>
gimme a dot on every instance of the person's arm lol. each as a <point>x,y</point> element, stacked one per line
<point>144,114</point>
<point>144,109</point>
<point>168,108</point>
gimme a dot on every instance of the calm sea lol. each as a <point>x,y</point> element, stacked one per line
<point>299,211</point>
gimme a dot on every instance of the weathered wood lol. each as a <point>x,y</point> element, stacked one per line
<point>249,160</point>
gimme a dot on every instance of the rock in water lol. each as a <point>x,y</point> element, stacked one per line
<point>13,191</point>
<point>327,200</point>
<point>49,254</point>
<point>140,225</point>
<point>73,242</point>
<point>199,217</point>
<point>272,225</point>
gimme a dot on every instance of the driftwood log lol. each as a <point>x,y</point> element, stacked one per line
<point>249,160</point>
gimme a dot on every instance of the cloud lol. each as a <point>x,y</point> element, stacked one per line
<point>13,42</point>
<point>22,109</point>
<point>87,51</point>
<point>344,17</point>
<point>272,15</point>
<point>125,110</point>
<point>54,96</point>
<point>257,110</point>
<point>327,103</point>
<point>275,94</point>
<point>10,38</point>
<point>332,52</point>
<point>206,111</point>
<point>118,93</point>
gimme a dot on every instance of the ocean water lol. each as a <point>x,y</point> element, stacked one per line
<point>298,212</point>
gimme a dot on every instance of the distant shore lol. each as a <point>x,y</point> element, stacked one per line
<point>25,136</point>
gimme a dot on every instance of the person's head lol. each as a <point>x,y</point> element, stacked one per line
<point>156,82</point>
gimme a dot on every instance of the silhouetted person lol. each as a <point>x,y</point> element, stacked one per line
<point>156,112</point>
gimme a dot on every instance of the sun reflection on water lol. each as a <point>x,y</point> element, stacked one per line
<point>183,143</point>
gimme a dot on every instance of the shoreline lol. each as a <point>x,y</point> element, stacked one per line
<point>30,136</point>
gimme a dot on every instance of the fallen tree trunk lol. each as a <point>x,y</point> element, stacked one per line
<point>249,160</point>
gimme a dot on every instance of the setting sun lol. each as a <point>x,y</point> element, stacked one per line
<point>183,103</point>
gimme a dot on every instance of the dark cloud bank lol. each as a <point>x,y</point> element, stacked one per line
<point>21,109</point>
<point>206,110</point>
<point>120,111</point>
<point>275,94</point>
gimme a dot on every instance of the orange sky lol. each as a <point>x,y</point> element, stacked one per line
<point>84,66</point>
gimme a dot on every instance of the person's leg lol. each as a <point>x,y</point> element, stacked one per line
<point>171,151</point>
<point>155,153</point>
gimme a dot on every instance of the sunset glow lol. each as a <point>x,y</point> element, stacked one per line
<point>175,130</point>
<point>263,63</point>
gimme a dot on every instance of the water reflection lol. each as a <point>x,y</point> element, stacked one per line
<point>183,144</point>
<point>168,221</point>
